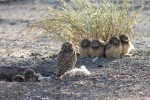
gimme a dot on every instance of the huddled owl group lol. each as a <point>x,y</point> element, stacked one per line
<point>29,75</point>
<point>116,46</point>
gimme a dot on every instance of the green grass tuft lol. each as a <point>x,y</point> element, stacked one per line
<point>89,19</point>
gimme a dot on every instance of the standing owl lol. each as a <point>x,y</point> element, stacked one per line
<point>84,48</point>
<point>113,48</point>
<point>66,59</point>
<point>126,44</point>
<point>97,48</point>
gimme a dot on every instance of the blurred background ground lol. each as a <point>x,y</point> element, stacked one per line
<point>16,15</point>
<point>124,79</point>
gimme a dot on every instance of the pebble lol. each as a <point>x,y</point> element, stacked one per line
<point>147,65</point>
<point>101,66</point>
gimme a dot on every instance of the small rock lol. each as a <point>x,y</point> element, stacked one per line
<point>38,97</point>
<point>53,56</point>
<point>22,56</point>
<point>44,79</point>
<point>114,61</point>
<point>35,54</point>
<point>147,65</point>
<point>148,46</point>
<point>95,59</point>
<point>141,93</point>
<point>45,98</point>
<point>13,23</point>
<point>101,66</point>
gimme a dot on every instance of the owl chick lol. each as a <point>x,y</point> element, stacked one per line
<point>18,78</point>
<point>66,59</point>
<point>113,48</point>
<point>97,48</point>
<point>126,44</point>
<point>29,75</point>
<point>84,48</point>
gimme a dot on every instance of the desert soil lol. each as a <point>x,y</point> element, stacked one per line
<point>127,78</point>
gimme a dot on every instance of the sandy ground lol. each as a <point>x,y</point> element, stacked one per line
<point>118,79</point>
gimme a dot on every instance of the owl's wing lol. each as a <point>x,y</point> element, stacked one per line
<point>65,62</point>
<point>107,46</point>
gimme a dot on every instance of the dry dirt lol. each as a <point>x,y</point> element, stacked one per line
<point>127,78</point>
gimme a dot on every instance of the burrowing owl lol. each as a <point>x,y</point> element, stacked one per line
<point>29,75</point>
<point>66,59</point>
<point>84,48</point>
<point>113,48</point>
<point>126,44</point>
<point>97,48</point>
<point>18,78</point>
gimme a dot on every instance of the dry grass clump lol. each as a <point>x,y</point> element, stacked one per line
<point>88,19</point>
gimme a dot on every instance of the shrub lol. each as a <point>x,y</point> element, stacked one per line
<point>88,19</point>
